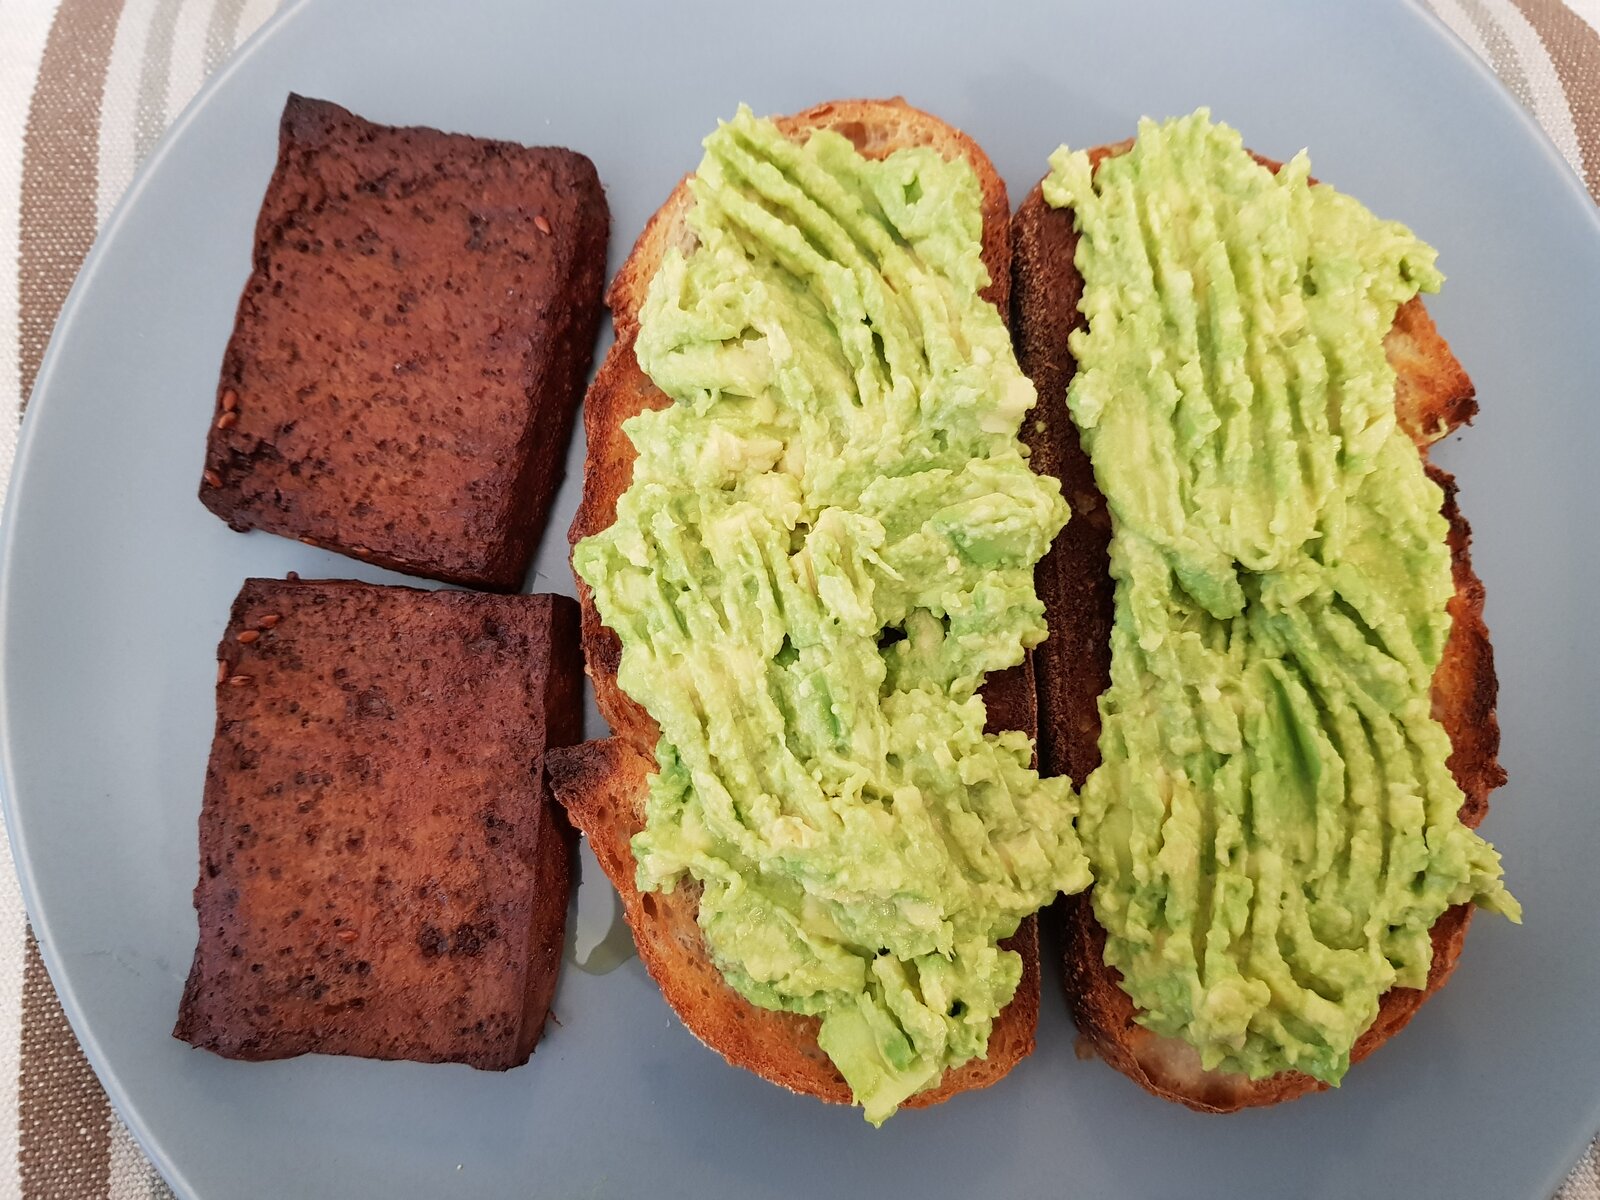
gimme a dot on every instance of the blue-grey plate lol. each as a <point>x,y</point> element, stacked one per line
<point>116,586</point>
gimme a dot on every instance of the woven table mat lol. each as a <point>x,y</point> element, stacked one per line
<point>86,89</point>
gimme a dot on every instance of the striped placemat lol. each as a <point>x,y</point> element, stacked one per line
<point>86,88</point>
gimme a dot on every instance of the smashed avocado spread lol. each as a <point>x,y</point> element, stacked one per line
<point>829,540</point>
<point>1274,828</point>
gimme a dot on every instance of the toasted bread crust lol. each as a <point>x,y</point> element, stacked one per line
<point>602,783</point>
<point>1432,397</point>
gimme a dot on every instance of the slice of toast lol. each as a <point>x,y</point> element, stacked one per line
<point>602,784</point>
<point>1432,397</point>
<point>409,351</point>
<point>382,870</point>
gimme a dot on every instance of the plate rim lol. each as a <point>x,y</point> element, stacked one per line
<point>38,922</point>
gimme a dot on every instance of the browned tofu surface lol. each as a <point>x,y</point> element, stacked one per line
<point>410,349</point>
<point>382,870</point>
